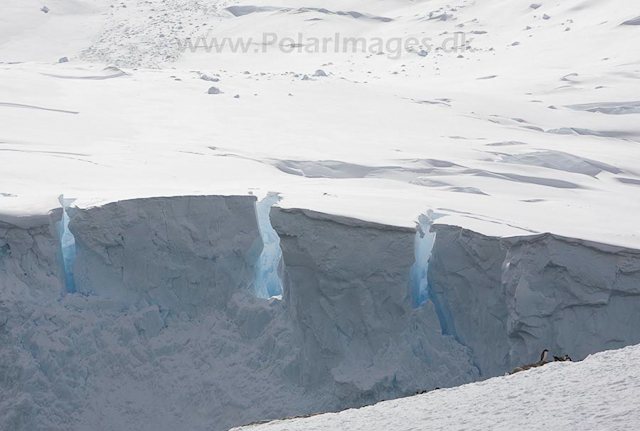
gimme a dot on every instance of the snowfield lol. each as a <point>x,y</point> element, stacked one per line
<point>374,198</point>
<point>596,394</point>
<point>540,136</point>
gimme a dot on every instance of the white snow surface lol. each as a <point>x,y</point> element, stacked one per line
<point>599,393</point>
<point>503,138</point>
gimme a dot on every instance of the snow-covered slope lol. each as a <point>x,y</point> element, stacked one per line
<point>595,394</point>
<point>502,137</point>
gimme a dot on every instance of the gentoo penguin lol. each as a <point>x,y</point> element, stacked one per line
<point>541,362</point>
<point>543,355</point>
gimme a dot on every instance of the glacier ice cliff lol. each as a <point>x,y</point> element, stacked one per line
<point>508,299</point>
<point>31,275</point>
<point>570,295</point>
<point>348,296</point>
<point>465,282</point>
<point>169,326</point>
<point>30,254</point>
<point>186,253</point>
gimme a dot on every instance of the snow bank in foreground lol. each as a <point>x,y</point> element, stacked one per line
<point>598,393</point>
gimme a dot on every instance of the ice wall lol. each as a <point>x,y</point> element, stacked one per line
<point>570,296</point>
<point>187,253</point>
<point>166,331</point>
<point>347,336</point>
<point>31,276</point>
<point>347,296</point>
<point>30,254</point>
<point>509,299</point>
<point>464,276</point>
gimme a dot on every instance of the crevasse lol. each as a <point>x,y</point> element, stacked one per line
<point>420,285</point>
<point>268,276</point>
<point>67,246</point>
<point>420,269</point>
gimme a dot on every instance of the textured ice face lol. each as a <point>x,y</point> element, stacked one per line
<point>30,261</point>
<point>167,330</point>
<point>187,253</point>
<point>574,297</point>
<point>508,300</point>
<point>464,275</point>
<point>347,293</point>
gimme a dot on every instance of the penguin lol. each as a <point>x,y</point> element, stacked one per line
<point>543,356</point>
<point>562,358</point>
<point>541,362</point>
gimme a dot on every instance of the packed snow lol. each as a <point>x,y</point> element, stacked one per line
<point>548,144</point>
